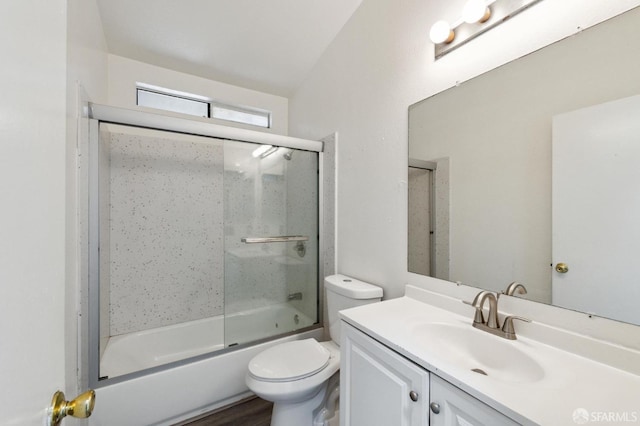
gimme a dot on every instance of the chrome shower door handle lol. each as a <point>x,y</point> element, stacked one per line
<point>277,239</point>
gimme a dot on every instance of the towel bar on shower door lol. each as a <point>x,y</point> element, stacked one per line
<point>280,239</point>
<point>300,248</point>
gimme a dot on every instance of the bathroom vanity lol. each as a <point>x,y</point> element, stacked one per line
<point>384,388</point>
<point>417,360</point>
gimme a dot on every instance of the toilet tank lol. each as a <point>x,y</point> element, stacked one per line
<point>345,292</point>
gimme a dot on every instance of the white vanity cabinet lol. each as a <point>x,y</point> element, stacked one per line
<point>379,387</point>
<point>450,406</point>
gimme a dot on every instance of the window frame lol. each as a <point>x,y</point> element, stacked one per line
<point>260,118</point>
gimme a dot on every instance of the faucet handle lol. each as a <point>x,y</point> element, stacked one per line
<point>507,327</point>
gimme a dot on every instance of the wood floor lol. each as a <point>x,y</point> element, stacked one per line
<point>252,412</point>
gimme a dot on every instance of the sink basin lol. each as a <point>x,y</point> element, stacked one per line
<point>464,347</point>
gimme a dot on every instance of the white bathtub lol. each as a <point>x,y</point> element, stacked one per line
<point>176,394</point>
<point>145,349</point>
<point>150,348</point>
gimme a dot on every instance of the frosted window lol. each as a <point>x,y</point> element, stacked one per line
<point>239,115</point>
<point>172,103</point>
<point>202,108</point>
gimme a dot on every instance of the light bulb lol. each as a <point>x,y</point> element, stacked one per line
<point>475,11</point>
<point>441,33</point>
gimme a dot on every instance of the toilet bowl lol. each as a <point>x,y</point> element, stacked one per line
<point>295,375</point>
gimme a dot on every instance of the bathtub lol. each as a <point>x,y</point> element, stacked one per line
<point>132,352</point>
<point>175,394</point>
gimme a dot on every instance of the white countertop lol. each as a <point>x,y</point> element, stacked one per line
<point>568,381</point>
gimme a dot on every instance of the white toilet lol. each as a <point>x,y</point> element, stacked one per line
<point>295,375</point>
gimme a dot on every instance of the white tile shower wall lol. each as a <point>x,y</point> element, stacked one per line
<point>166,220</point>
<point>254,278</point>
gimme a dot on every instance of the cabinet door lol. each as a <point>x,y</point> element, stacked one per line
<point>379,387</point>
<point>457,408</point>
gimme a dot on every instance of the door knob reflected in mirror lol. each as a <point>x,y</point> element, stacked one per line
<point>562,268</point>
<point>80,407</point>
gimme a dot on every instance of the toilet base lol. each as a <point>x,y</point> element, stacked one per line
<point>297,413</point>
<point>327,414</point>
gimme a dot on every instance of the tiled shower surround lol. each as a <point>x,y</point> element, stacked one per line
<point>173,211</point>
<point>166,230</point>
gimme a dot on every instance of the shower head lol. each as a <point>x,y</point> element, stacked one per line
<point>287,155</point>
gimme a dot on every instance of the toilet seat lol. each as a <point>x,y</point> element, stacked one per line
<point>290,361</point>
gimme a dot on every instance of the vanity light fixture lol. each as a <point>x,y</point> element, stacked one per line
<point>476,11</point>
<point>477,17</point>
<point>441,32</point>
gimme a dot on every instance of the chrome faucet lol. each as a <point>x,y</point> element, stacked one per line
<point>478,303</point>
<point>515,287</point>
<point>295,296</point>
<point>492,324</point>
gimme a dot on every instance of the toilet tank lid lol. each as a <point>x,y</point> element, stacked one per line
<point>351,287</point>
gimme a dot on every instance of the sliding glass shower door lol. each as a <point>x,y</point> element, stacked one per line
<point>271,241</point>
<point>195,244</point>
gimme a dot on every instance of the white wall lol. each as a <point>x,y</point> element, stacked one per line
<point>32,184</point>
<point>38,284</point>
<point>124,73</point>
<point>380,63</point>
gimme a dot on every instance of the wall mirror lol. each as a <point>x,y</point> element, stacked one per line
<point>497,137</point>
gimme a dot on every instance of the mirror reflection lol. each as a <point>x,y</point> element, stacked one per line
<point>502,135</point>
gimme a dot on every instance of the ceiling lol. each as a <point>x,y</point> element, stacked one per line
<point>265,45</point>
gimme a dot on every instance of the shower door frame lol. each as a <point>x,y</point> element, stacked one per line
<point>113,115</point>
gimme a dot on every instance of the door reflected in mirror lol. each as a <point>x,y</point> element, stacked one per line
<point>428,185</point>
<point>596,206</point>
<point>421,244</point>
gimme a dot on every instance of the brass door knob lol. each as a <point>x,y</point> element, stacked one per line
<point>562,268</point>
<point>81,407</point>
